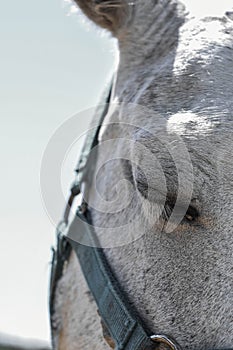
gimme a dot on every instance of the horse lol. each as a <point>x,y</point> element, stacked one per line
<point>161,202</point>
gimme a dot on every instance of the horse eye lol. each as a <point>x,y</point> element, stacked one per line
<point>191,214</point>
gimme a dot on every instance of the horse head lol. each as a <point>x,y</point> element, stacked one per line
<point>161,199</point>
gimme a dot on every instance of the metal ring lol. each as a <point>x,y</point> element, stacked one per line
<point>161,338</point>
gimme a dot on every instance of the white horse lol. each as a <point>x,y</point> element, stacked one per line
<point>169,133</point>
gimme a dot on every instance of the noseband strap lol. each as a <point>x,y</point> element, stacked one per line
<point>120,319</point>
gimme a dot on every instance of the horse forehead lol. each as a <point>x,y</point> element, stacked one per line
<point>190,93</point>
<point>203,48</point>
<point>207,133</point>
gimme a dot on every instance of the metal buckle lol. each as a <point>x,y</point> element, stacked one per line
<point>161,338</point>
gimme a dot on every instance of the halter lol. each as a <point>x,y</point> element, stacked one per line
<point>118,315</point>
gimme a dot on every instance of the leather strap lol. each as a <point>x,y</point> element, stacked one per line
<point>125,328</point>
<point>63,249</point>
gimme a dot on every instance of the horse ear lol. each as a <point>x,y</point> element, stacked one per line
<point>108,14</point>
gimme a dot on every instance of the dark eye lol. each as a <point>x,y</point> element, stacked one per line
<point>191,214</point>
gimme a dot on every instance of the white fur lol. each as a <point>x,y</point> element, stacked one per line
<point>180,282</point>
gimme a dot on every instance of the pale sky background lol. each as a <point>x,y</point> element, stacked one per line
<point>52,66</point>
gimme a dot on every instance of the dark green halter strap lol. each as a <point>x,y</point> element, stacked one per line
<point>122,322</point>
<point>125,329</point>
